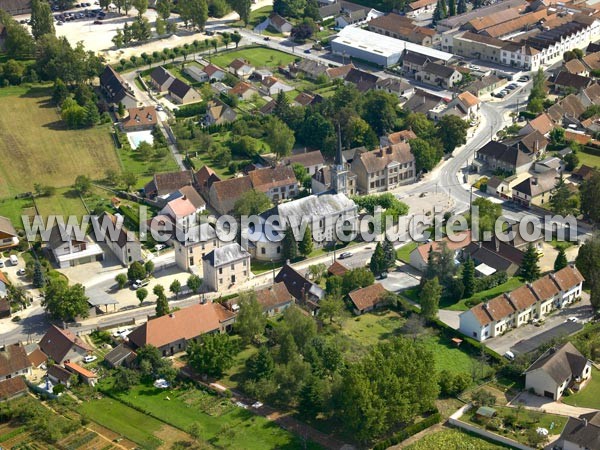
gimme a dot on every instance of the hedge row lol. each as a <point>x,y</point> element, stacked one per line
<point>409,431</point>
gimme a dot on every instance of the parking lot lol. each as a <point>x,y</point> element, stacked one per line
<point>529,337</point>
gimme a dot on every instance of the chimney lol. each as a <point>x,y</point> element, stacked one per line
<point>171,315</point>
<point>585,422</point>
<point>534,181</point>
<point>389,150</point>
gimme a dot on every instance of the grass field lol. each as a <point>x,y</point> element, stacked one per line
<point>403,253</point>
<point>64,202</point>
<point>510,285</point>
<point>37,147</point>
<point>453,440</point>
<point>588,160</point>
<point>221,423</point>
<point>257,56</point>
<point>124,420</point>
<point>451,358</point>
<point>589,396</point>
<point>13,208</point>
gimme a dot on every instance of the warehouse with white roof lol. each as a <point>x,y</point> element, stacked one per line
<point>375,48</point>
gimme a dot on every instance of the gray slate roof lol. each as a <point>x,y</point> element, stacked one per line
<point>560,363</point>
<point>226,255</point>
<point>583,431</point>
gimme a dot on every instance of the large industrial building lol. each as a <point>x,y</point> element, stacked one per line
<point>377,49</point>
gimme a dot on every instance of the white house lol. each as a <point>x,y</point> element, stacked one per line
<point>14,361</point>
<point>195,245</point>
<point>71,247</point>
<point>420,255</point>
<point>556,370</point>
<point>226,267</point>
<point>517,308</point>
<point>125,246</point>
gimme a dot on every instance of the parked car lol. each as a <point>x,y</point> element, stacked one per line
<point>573,319</point>
<point>267,38</point>
<point>1,263</point>
<point>159,247</point>
<point>345,255</point>
<point>21,272</point>
<point>14,260</point>
<point>509,355</point>
<point>98,22</point>
<point>307,50</point>
<point>383,275</point>
<point>90,358</point>
<point>140,283</point>
<point>524,79</point>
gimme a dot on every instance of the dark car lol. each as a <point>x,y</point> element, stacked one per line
<point>98,22</point>
<point>267,38</point>
<point>307,50</point>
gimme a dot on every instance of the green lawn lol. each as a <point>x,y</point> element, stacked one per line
<point>36,146</point>
<point>510,285</point>
<point>450,357</point>
<point>257,56</point>
<point>589,396</point>
<point>145,168</point>
<point>403,253</point>
<point>124,420</point>
<point>221,423</point>
<point>259,15</point>
<point>451,439</point>
<point>64,202</point>
<point>364,332</point>
<point>588,160</point>
<point>13,208</point>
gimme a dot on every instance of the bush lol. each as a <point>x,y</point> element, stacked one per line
<point>485,283</point>
<point>409,431</point>
<point>191,110</point>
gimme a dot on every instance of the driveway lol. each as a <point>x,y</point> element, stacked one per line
<point>399,280</point>
<point>527,338</point>
<point>547,405</point>
<point>450,318</point>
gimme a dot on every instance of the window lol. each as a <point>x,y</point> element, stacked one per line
<point>263,251</point>
<point>233,267</point>
<point>192,261</point>
<point>220,280</point>
<point>233,278</point>
<point>244,263</point>
<point>220,271</point>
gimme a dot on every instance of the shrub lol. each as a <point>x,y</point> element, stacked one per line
<point>409,431</point>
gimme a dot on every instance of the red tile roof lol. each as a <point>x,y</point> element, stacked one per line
<point>11,387</point>
<point>80,370</point>
<point>464,239</point>
<point>337,269</point>
<point>367,297</point>
<point>568,277</point>
<point>187,323</point>
<point>13,358</point>
<point>56,343</point>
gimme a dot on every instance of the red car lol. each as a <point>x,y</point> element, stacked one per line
<point>97,22</point>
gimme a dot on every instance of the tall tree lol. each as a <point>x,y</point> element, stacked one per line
<point>427,154</point>
<point>530,268</point>
<point>242,7</point>
<point>42,21</point>
<point>380,111</point>
<point>561,259</point>
<point>175,288</point>
<point>260,365</point>
<point>376,398</point>
<point>452,131</point>
<point>429,297</point>
<point>251,321</point>
<point>390,253</point>
<point>590,193</point>
<point>141,295</point>
<point>378,261</point>
<point>331,307</point>
<point>562,201</point>
<point>468,278</point>
<point>305,246</point>
<point>64,302</point>
<point>213,355</point>
<point>39,278</point>
<point>141,6</point>
<point>18,43</point>
<point>289,245</point>
<point>451,8</point>
<point>162,304</point>
<point>194,282</point>
<point>163,7</point>
<point>462,7</point>
<point>252,202</point>
<point>194,12</point>
<point>588,263</point>
<point>279,137</point>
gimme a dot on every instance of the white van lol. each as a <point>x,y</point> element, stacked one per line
<point>14,260</point>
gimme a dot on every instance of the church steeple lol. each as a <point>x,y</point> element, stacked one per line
<point>339,172</point>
